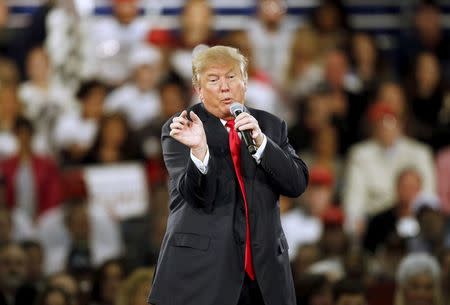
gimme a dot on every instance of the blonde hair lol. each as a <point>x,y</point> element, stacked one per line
<point>217,55</point>
<point>130,286</point>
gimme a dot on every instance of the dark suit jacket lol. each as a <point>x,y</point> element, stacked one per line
<point>201,261</point>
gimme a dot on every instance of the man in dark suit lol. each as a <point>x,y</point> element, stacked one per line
<point>224,244</point>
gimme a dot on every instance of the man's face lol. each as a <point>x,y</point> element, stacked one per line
<point>13,267</point>
<point>220,86</point>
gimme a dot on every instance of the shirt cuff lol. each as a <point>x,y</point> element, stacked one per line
<point>201,165</point>
<point>260,150</point>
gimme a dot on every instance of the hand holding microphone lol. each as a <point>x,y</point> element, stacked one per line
<point>247,126</point>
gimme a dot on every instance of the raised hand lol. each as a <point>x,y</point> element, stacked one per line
<point>190,133</point>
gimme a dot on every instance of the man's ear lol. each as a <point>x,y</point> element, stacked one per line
<point>199,92</point>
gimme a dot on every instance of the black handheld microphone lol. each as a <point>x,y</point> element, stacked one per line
<point>236,109</point>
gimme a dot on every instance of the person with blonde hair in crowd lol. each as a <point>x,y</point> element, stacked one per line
<point>418,281</point>
<point>134,290</point>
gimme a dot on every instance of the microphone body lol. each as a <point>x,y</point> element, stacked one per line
<point>236,109</point>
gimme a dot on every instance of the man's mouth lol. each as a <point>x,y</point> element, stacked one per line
<point>227,100</point>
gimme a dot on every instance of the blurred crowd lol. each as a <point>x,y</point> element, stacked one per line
<point>372,126</point>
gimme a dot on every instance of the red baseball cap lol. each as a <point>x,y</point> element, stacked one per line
<point>320,176</point>
<point>379,110</point>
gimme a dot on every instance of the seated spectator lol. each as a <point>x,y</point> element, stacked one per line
<point>175,97</point>
<point>434,235</point>
<point>426,101</point>
<point>135,288</point>
<point>74,146</point>
<point>33,185</point>
<point>367,63</point>
<point>113,142</point>
<point>13,273</point>
<point>304,71</point>
<point>349,292</point>
<point>139,99</point>
<point>271,36</point>
<point>54,296</point>
<point>312,289</point>
<point>418,281</point>
<point>317,199</point>
<point>35,263</point>
<point>79,238</point>
<point>43,98</point>
<point>394,95</point>
<point>330,21</point>
<point>324,153</point>
<point>10,110</point>
<point>196,27</point>
<point>67,283</point>
<point>110,39</point>
<point>6,224</point>
<point>106,282</point>
<point>399,219</point>
<point>374,164</point>
<point>443,178</point>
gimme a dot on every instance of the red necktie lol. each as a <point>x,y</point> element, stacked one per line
<point>235,148</point>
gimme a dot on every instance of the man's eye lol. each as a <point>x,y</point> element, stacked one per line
<point>231,76</point>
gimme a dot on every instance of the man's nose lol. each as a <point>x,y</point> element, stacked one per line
<point>224,86</point>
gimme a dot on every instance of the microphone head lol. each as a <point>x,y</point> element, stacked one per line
<point>236,108</point>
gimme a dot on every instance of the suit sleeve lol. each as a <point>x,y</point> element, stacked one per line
<point>287,172</point>
<point>185,179</point>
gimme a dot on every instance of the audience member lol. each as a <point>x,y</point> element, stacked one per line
<point>139,99</point>
<point>418,280</point>
<point>75,145</point>
<point>13,273</point>
<point>374,164</point>
<point>32,182</point>
<point>135,288</point>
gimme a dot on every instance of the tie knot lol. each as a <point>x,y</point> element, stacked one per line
<point>230,124</point>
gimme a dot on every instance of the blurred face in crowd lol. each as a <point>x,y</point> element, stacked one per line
<point>220,86</point>
<point>328,17</point>
<point>306,256</point>
<point>428,22</point>
<point>5,225</point>
<point>114,131</point>
<point>196,22</point>
<point>419,290</point>
<point>387,130</point>
<point>78,222</point>
<point>112,278</point>
<point>427,72</point>
<point>394,96</point>
<point>147,76</point>
<point>318,198</point>
<point>67,283</point>
<point>271,12</point>
<point>126,10</point>
<point>351,299</point>
<point>173,99</point>
<point>93,103</point>
<point>363,49</point>
<point>55,297</point>
<point>38,69</point>
<point>35,259</point>
<point>432,225</point>
<point>408,187</point>
<point>325,142</point>
<point>9,103</point>
<point>318,112</point>
<point>13,267</point>
<point>336,68</point>
<point>4,13</point>
<point>24,137</point>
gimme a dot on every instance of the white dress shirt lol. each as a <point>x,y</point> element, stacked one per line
<point>203,165</point>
